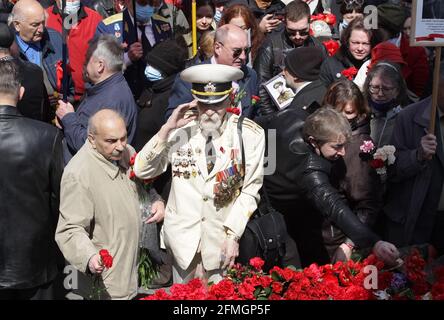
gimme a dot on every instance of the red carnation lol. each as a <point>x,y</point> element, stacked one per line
<point>107,259</point>
<point>332,47</point>
<point>349,73</point>
<point>277,287</point>
<point>133,159</point>
<point>377,163</point>
<point>132,175</point>
<point>257,263</point>
<point>330,19</point>
<point>234,110</point>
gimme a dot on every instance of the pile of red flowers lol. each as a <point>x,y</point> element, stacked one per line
<point>341,281</point>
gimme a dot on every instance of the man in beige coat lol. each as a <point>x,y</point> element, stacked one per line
<point>99,209</point>
<point>212,196</point>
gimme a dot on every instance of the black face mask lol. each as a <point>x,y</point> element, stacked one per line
<point>353,123</point>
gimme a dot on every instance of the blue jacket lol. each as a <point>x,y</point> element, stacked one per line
<point>112,93</point>
<point>51,54</point>
<point>181,93</point>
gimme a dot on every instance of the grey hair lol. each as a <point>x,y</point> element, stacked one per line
<point>92,128</point>
<point>107,47</point>
<point>325,125</point>
<point>15,15</point>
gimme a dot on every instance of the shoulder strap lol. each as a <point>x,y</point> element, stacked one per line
<point>241,144</point>
<point>241,140</point>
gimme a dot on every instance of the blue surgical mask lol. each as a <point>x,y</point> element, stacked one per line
<point>144,13</point>
<point>343,25</point>
<point>72,7</point>
<point>217,16</point>
<point>152,74</point>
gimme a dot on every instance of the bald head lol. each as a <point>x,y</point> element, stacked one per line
<point>28,17</point>
<point>230,46</point>
<point>107,134</point>
<point>104,119</point>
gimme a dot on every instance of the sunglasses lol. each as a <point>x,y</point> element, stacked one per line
<point>302,32</point>
<point>238,51</point>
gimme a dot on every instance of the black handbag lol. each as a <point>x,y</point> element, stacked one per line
<point>266,231</point>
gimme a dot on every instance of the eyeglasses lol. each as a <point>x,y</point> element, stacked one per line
<point>301,32</point>
<point>376,89</point>
<point>238,51</point>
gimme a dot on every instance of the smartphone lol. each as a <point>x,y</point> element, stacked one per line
<point>279,15</point>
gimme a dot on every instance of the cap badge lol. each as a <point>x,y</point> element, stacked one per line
<point>210,87</point>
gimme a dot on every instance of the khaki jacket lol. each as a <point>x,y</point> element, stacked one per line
<point>192,221</point>
<point>99,209</point>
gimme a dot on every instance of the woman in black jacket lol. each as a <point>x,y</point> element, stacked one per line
<point>310,203</point>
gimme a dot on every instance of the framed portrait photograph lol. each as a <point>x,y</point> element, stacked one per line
<point>277,89</point>
<point>427,23</point>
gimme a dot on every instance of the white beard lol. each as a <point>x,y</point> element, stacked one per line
<point>210,125</point>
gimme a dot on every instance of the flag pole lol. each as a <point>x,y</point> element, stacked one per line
<point>194,26</point>
<point>435,90</point>
<point>65,84</point>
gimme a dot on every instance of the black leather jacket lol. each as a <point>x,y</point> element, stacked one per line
<point>300,189</point>
<point>30,168</point>
<point>270,61</point>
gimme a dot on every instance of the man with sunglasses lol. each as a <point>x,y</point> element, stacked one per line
<point>231,49</point>
<point>270,58</point>
<point>213,191</point>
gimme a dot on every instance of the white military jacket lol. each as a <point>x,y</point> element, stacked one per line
<point>193,221</point>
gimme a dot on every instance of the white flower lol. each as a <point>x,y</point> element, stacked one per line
<point>386,153</point>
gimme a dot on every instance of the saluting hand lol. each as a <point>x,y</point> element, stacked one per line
<point>180,117</point>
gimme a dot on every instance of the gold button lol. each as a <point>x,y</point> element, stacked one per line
<point>203,219</point>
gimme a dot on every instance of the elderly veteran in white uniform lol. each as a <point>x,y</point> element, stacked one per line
<point>212,195</point>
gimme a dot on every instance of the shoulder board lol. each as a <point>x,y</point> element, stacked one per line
<point>249,124</point>
<point>160,18</point>
<point>114,18</point>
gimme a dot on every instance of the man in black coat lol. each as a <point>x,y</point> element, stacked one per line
<point>31,170</point>
<point>301,72</point>
<point>35,102</point>
<point>270,58</point>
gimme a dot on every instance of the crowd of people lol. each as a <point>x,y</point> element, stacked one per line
<point>115,132</point>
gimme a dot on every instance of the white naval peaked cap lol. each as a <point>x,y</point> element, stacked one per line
<point>211,83</point>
